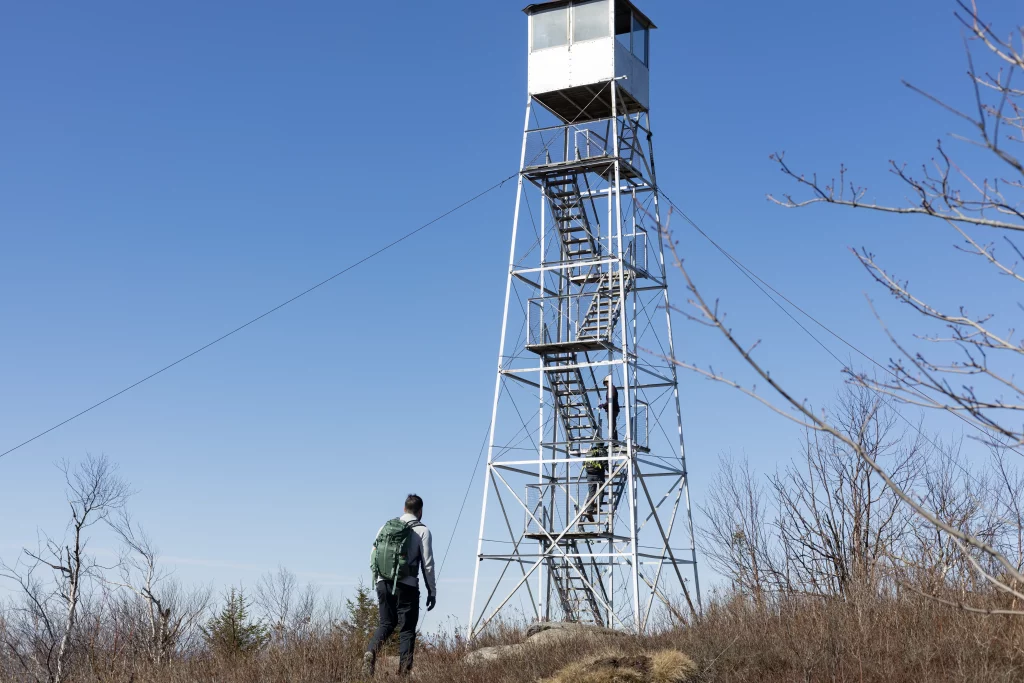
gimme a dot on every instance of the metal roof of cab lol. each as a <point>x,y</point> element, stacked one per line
<point>529,9</point>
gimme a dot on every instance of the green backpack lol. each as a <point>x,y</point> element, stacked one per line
<point>389,558</point>
<point>596,451</point>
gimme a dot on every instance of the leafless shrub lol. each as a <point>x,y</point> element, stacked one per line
<point>979,551</point>
<point>826,526</point>
<point>737,538</point>
<point>160,616</point>
<point>291,612</point>
<point>838,523</point>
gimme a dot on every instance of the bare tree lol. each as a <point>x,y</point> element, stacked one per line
<point>932,561</point>
<point>1009,506</point>
<point>290,611</point>
<point>971,545</point>
<point>970,372</point>
<point>825,525</point>
<point>736,537</point>
<point>54,578</point>
<point>171,615</point>
<point>838,522</point>
<point>981,354</point>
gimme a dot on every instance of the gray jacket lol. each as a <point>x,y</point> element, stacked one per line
<point>421,554</point>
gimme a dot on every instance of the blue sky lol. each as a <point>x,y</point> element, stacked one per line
<point>169,172</point>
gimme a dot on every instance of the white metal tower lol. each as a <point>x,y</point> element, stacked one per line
<point>584,505</point>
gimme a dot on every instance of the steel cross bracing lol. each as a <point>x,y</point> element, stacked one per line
<point>586,299</point>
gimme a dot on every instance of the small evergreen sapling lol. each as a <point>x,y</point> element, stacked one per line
<point>362,613</point>
<point>233,632</point>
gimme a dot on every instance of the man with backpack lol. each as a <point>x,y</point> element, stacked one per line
<point>402,548</point>
<point>595,471</point>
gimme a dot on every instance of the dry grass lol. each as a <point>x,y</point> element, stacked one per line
<point>671,666</point>
<point>605,669</point>
<point>799,638</point>
<point>792,639</point>
<point>663,666</point>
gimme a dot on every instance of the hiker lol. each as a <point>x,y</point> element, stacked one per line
<point>611,398</point>
<point>595,470</point>
<point>402,548</point>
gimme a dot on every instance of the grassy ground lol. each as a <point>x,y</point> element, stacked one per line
<point>793,639</point>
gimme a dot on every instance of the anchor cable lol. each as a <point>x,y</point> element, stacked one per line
<point>261,316</point>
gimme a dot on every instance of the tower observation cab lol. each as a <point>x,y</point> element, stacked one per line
<point>576,48</point>
<point>586,511</point>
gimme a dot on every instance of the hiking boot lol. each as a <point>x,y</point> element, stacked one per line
<point>369,664</point>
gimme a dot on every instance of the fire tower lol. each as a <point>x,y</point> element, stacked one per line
<point>586,511</point>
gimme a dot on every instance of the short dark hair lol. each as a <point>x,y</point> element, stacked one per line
<point>414,504</point>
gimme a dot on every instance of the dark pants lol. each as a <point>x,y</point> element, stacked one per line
<point>400,611</point>
<point>594,480</point>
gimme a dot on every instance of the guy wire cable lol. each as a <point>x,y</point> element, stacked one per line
<point>263,315</point>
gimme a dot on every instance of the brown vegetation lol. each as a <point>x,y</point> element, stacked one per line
<point>862,638</point>
<point>663,666</point>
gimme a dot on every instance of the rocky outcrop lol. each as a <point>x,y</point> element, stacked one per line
<point>543,634</point>
<point>619,662</point>
<point>489,654</point>
<point>557,631</point>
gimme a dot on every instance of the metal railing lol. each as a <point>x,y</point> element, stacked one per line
<point>557,319</point>
<point>561,319</point>
<point>573,142</point>
<point>552,505</point>
<point>641,423</point>
<point>636,249</point>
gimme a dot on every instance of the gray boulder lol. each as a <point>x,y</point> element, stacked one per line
<point>546,633</point>
<point>542,634</point>
<point>490,654</point>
